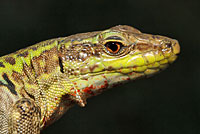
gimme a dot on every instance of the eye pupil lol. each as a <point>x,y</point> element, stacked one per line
<point>113,47</point>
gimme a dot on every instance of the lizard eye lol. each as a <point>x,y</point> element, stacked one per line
<point>113,47</point>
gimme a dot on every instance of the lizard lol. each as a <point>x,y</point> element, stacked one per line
<point>38,84</point>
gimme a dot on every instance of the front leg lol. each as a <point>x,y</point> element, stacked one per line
<point>24,117</point>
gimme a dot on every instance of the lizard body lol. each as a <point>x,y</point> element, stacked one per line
<point>40,83</point>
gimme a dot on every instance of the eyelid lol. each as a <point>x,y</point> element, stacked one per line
<point>106,41</point>
<point>114,38</point>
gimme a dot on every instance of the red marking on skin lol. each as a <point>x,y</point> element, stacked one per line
<point>52,108</point>
<point>73,94</point>
<point>56,98</point>
<point>88,90</point>
<point>104,76</point>
<point>105,84</point>
<point>94,87</point>
<point>61,109</point>
<point>131,73</point>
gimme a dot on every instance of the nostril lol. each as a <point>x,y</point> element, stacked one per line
<point>168,44</point>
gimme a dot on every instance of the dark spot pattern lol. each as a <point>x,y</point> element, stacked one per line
<point>34,48</point>
<point>9,84</point>
<point>143,46</point>
<point>25,54</point>
<point>110,68</point>
<point>61,65</point>
<point>46,62</point>
<point>93,68</point>
<point>10,60</point>
<point>2,65</point>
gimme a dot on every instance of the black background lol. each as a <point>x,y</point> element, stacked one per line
<point>168,103</point>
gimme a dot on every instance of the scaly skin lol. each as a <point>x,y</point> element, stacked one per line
<point>40,83</point>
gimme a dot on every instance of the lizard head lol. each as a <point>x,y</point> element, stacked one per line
<point>99,60</point>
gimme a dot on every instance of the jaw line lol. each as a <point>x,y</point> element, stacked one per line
<point>91,74</point>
